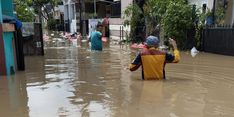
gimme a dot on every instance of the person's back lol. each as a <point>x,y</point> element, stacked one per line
<point>153,61</point>
<point>96,39</point>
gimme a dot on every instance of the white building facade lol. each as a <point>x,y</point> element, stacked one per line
<point>71,16</point>
<point>117,23</point>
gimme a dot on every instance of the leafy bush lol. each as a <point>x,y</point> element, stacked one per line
<point>177,21</point>
<point>24,13</point>
<point>51,24</point>
<point>136,22</point>
<point>174,18</point>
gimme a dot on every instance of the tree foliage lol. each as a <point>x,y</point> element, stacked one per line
<point>219,15</point>
<point>24,13</point>
<point>39,7</point>
<point>173,17</point>
<point>177,20</point>
<point>136,21</point>
<point>154,12</point>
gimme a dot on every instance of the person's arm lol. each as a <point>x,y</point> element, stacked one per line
<point>175,58</point>
<point>135,64</point>
<point>89,37</point>
<point>99,35</point>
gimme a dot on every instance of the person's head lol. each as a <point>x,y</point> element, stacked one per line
<point>99,27</point>
<point>152,41</point>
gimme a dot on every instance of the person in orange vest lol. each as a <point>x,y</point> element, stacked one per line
<point>153,60</point>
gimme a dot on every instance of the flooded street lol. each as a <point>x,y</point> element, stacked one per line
<point>72,81</point>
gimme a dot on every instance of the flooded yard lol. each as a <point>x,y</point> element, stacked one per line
<point>72,81</point>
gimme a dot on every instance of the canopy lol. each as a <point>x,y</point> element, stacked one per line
<point>10,19</point>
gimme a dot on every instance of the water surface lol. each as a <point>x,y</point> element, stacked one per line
<point>72,81</point>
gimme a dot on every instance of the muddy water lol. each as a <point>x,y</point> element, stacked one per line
<point>72,81</point>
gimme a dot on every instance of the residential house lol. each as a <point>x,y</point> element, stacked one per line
<point>71,15</point>
<point>58,15</point>
<point>80,11</point>
<point>117,23</point>
<point>209,4</point>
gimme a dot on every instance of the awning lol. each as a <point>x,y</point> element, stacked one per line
<point>10,19</point>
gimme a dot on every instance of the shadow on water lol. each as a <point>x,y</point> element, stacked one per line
<point>70,81</point>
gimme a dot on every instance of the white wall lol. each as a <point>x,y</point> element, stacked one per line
<point>199,3</point>
<point>210,4</point>
<point>73,26</point>
<point>124,4</point>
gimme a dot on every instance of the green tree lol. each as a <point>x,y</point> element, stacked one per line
<point>219,15</point>
<point>176,22</point>
<point>154,12</point>
<point>202,16</point>
<point>37,6</point>
<point>24,12</point>
<point>135,12</point>
<point>173,17</point>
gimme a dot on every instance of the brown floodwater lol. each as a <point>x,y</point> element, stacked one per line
<point>72,81</point>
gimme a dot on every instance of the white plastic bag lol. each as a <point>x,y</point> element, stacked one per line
<point>194,52</point>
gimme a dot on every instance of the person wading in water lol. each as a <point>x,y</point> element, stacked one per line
<point>153,60</point>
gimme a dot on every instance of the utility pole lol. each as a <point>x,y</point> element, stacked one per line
<point>40,14</point>
<point>83,23</point>
<point>94,3</point>
<point>213,11</point>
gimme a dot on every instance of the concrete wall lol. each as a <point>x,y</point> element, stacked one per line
<point>228,19</point>
<point>124,4</point>
<point>210,4</point>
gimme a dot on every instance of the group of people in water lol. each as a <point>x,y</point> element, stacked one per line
<point>150,58</point>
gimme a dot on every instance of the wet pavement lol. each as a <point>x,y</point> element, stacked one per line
<point>72,81</point>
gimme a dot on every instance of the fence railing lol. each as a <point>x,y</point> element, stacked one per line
<point>218,40</point>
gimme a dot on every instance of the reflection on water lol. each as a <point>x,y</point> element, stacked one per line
<point>13,96</point>
<point>72,81</point>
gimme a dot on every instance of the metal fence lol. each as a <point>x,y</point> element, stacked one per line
<point>218,40</point>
